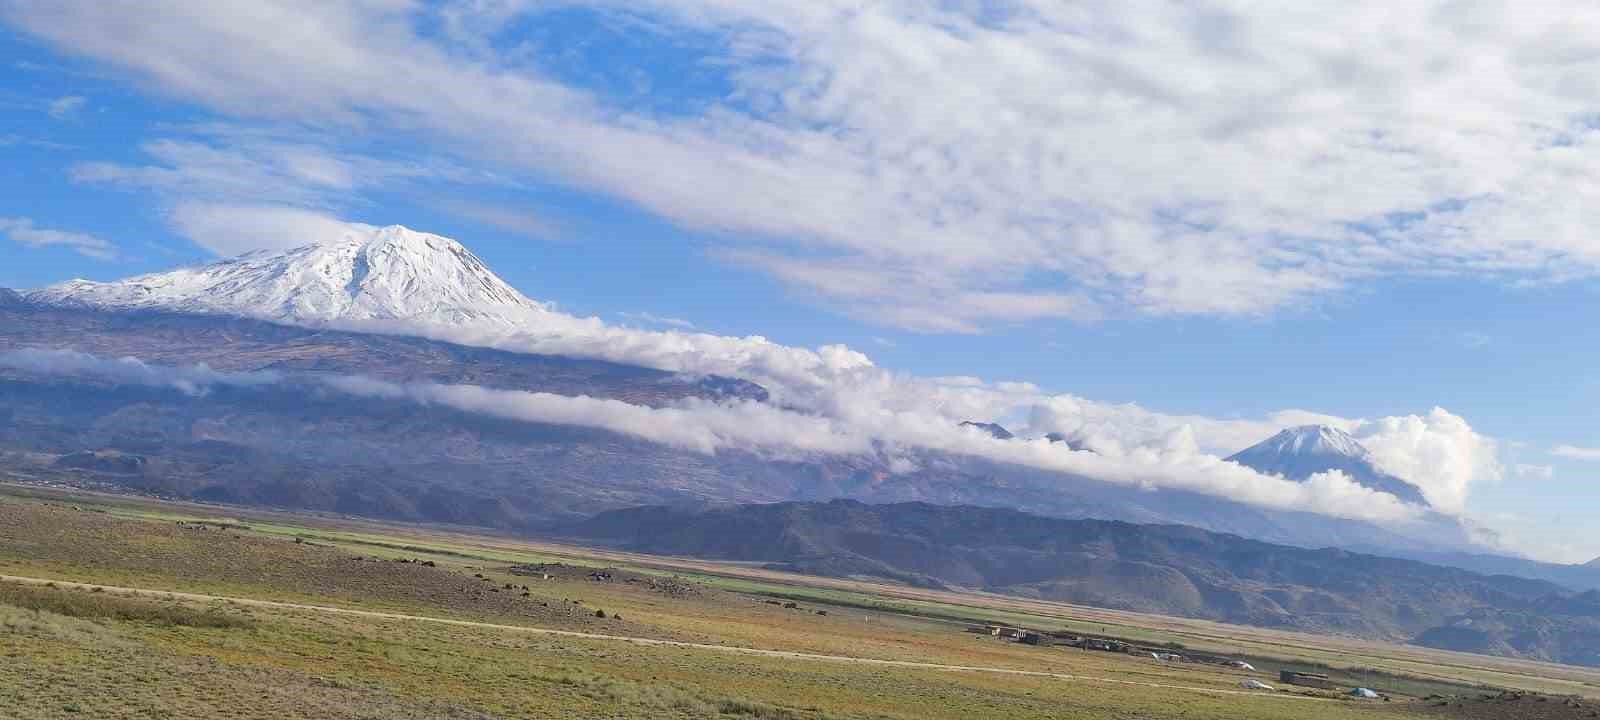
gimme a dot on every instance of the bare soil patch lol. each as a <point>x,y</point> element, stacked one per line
<point>670,586</point>
<point>1511,705</point>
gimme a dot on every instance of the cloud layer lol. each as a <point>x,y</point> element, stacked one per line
<point>897,437</point>
<point>946,166</point>
<point>194,380</point>
<point>1572,452</point>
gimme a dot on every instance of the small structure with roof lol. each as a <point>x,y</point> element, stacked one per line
<point>1035,638</point>
<point>1305,679</point>
<point>1009,633</point>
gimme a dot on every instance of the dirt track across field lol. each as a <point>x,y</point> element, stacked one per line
<point>636,640</point>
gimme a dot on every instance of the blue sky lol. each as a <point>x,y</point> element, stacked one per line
<point>951,193</point>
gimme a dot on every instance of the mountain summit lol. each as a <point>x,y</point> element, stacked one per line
<point>1297,453</point>
<point>370,273</point>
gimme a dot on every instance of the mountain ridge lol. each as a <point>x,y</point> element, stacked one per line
<point>1165,569</point>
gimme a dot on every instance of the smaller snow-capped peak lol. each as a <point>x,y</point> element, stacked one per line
<point>369,273</point>
<point>1316,439</point>
<point>1297,453</point>
<point>994,430</point>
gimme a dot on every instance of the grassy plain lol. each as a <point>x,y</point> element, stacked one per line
<point>82,652</point>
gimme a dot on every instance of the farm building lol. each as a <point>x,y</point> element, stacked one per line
<point>1305,679</point>
<point>1104,645</point>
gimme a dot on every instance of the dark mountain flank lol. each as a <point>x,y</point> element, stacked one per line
<point>1165,569</point>
<point>239,345</point>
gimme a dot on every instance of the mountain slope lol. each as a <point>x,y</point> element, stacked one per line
<point>192,315</point>
<point>1152,568</point>
<point>60,421</point>
<point>233,344</point>
<point>371,273</point>
<point>1297,453</point>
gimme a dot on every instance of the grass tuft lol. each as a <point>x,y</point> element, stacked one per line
<point>97,604</point>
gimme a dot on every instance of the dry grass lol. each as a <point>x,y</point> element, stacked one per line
<point>94,654</point>
<point>107,606</point>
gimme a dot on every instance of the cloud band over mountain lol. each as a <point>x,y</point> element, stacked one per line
<point>898,438</point>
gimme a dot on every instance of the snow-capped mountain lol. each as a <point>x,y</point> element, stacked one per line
<point>371,273</point>
<point>1297,453</point>
<point>995,430</point>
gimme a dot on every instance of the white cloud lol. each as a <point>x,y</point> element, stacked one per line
<point>1533,472</point>
<point>1036,159</point>
<point>516,220</point>
<point>1576,453</point>
<point>24,232</point>
<point>233,229</point>
<point>900,296</point>
<point>1439,451</point>
<point>233,189</point>
<point>693,425</point>
<point>193,380</point>
<point>653,319</point>
<point>14,140</point>
<point>1174,461</point>
<point>229,163</point>
<point>67,107</point>
<point>266,171</point>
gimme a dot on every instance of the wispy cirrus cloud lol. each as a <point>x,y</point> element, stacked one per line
<point>520,220</point>
<point>66,107</point>
<point>24,232</point>
<point>232,188</point>
<point>1573,452</point>
<point>1039,160</point>
<point>653,319</point>
<point>1533,472</point>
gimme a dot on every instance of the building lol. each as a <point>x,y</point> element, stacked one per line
<point>1305,679</point>
<point>1009,633</point>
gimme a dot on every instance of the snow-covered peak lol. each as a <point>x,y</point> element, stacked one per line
<point>370,273</point>
<point>1316,440</point>
<point>1297,453</point>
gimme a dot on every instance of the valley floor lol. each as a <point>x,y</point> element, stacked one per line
<point>125,608</point>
